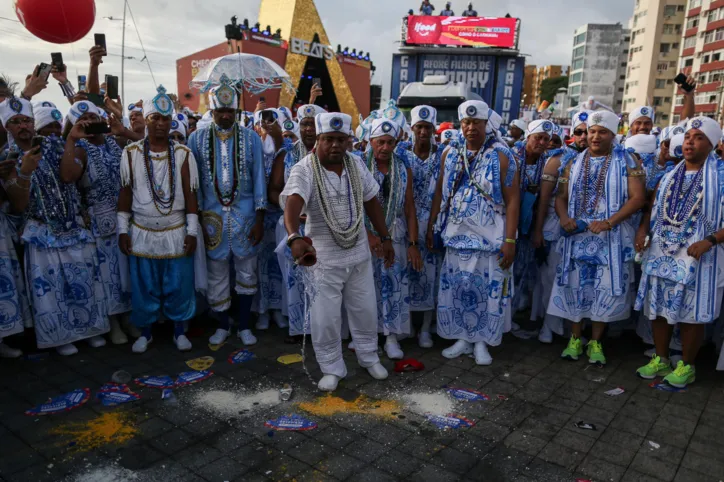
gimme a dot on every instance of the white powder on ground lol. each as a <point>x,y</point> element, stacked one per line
<point>424,403</point>
<point>235,403</point>
<point>106,474</point>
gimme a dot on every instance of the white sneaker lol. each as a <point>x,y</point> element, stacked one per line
<point>425,340</point>
<point>650,352</point>
<point>8,352</point>
<point>247,337</point>
<point>219,337</point>
<point>67,350</point>
<point>351,346</point>
<point>393,350</point>
<point>482,357</point>
<point>96,342</point>
<point>263,322</point>
<point>182,343</point>
<point>281,320</point>
<point>378,372</point>
<point>328,383</point>
<point>461,347</point>
<point>545,335</point>
<point>141,345</point>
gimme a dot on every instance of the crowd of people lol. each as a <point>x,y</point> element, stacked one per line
<point>114,219</point>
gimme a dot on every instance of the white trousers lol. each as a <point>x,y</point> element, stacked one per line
<point>355,286</point>
<point>219,280</point>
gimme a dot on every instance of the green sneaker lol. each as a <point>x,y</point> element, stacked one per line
<point>595,353</point>
<point>681,376</point>
<point>573,350</point>
<point>655,368</point>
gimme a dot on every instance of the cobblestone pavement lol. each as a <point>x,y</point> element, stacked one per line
<point>525,432</point>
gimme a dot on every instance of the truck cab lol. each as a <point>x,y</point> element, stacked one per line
<point>438,92</point>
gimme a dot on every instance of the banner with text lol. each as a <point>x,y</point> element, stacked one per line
<point>462,31</point>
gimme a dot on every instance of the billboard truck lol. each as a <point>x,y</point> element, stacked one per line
<point>498,80</point>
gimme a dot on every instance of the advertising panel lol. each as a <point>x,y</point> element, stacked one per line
<point>461,31</point>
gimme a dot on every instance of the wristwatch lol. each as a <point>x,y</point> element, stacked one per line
<point>712,239</point>
<point>385,238</point>
<point>293,237</point>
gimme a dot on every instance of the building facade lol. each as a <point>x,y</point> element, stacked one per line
<point>656,31</point>
<point>702,54</point>
<point>529,76</point>
<point>543,73</point>
<point>598,64</point>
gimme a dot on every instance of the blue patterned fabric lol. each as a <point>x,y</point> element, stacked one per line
<point>228,228</point>
<point>391,284</point>
<point>162,286</point>
<point>423,285</point>
<point>66,294</point>
<point>674,285</point>
<point>474,303</point>
<point>14,308</point>
<point>270,284</point>
<point>99,188</point>
<point>595,274</point>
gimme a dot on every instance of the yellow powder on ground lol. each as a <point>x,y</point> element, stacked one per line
<point>108,428</point>
<point>331,405</point>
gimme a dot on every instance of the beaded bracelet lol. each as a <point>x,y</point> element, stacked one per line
<point>549,178</point>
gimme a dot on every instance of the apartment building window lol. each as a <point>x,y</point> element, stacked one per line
<point>675,46</point>
<point>705,59</point>
<point>693,22</point>
<point>688,62</point>
<point>667,100</point>
<point>679,100</point>
<point>715,15</point>
<point>577,64</point>
<point>664,48</point>
<point>623,77</point>
<point>577,77</point>
<point>690,42</point>
<point>660,84</point>
<point>580,38</point>
<point>657,101</point>
<point>664,117</point>
<point>662,66</point>
<point>715,57</point>
<point>680,8</point>
<point>714,35</point>
<point>669,10</point>
<point>694,3</point>
<point>668,28</point>
<point>579,51</point>
<point>675,119</point>
<point>706,98</point>
<point>574,90</point>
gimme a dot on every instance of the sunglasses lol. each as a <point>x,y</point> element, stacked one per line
<point>579,133</point>
<point>24,120</point>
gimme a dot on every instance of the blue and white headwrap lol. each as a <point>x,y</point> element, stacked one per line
<point>45,116</point>
<point>178,126</point>
<point>13,106</point>
<point>384,127</point>
<point>161,103</point>
<point>83,107</point>
<point>473,109</point>
<point>708,126</point>
<point>394,114</point>
<point>423,113</point>
<point>676,146</point>
<point>309,110</point>
<point>289,125</point>
<point>579,118</point>
<point>639,112</point>
<point>540,126</point>
<point>328,123</point>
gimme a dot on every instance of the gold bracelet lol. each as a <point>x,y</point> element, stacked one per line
<point>563,180</point>
<point>510,241</point>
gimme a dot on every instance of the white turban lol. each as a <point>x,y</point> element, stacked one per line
<point>309,110</point>
<point>540,126</point>
<point>290,126</point>
<point>494,122</point>
<point>178,126</point>
<point>13,106</point>
<point>708,126</point>
<point>328,123</point>
<point>423,113</point>
<point>639,112</point>
<point>604,118</point>
<point>205,121</point>
<point>161,103</point>
<point>676,146</point>
<point>285,113</point>
<point>384,127</point>
<point>473,109</point>
<point>80,108</point>
<point>394,114</point>
<point>641,144</point>
<point>520,124</point>
<point>223,96</point>
<point>45,116</point>
<point>448,135</point>
<point>43,103</point>
<point>580,118</point>
<point>182,118</point>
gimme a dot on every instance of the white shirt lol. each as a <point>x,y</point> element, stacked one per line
<point>301,182</point>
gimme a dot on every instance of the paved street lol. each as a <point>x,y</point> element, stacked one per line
<point>524,432</point>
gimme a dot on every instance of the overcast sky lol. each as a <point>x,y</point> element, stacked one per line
<point>171,29</point>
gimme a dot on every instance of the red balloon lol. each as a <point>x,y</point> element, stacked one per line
<point>57,21</point>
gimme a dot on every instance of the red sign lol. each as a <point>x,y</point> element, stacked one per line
<point>463,31</point>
